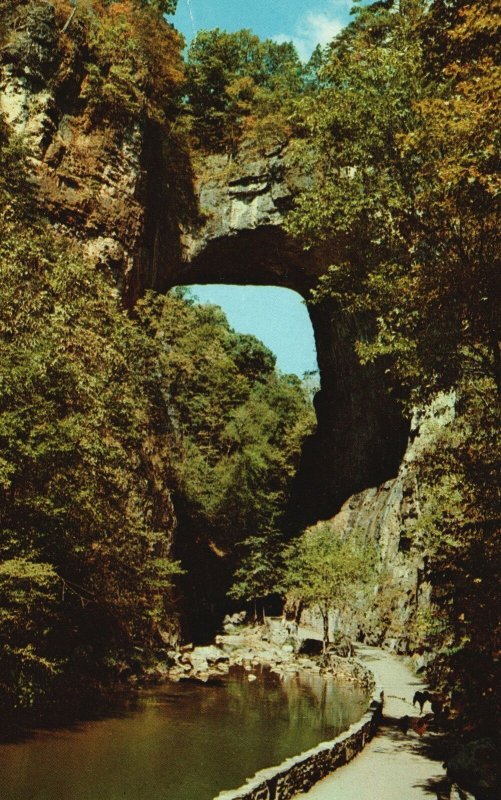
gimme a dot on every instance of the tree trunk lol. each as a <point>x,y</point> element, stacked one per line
<point>325,620</point>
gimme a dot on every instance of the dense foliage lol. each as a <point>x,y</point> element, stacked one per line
<point>398,124</point>
<point>241,88</point>
<point>134,68</point>
<point>240,425</point>
<point>122,60</point>
<point>85,517</point>
<point>404,141</point>
<point>100,415</point>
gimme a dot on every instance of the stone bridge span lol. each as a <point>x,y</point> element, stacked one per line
<point>138,212</point>
<point>241,239</point>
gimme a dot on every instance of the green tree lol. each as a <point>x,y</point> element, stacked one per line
<point>260,568</point>
<point>163,6</point>
<point>404,147</point>
<point>239,428</point>
<point>406,193</point>
<point>323,570</point>
<point>134,69</point>
<point>239,423</point>
<point>29,605</point>
<point>85,517</point>
<point>236,82</point>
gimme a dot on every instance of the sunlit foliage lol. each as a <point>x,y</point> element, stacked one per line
<point>241,88</point>
<point>325,571</point>
<point>403,139</point>
<point>85,516</point>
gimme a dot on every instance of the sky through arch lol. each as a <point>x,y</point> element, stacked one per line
<point>277,316</point>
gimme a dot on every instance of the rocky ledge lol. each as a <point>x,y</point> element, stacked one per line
<point>273,644</point>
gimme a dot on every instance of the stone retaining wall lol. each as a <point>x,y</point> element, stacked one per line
<point>299,773</point>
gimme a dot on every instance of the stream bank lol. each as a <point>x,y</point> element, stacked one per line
<point>282,648</point>
<point>181,741</point>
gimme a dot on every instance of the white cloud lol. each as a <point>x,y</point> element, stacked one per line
<point>317,27</point>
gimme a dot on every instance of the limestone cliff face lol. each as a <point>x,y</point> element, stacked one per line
<point>385,515</point>
<point>87,176</point>
<point>114,187</point>
<point>239,235</point>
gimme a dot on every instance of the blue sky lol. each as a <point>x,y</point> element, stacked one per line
<point>276,316</point>
<point>305,22</point>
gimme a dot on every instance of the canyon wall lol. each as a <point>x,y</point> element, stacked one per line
<point>385,516</point>
<point>140,209</point>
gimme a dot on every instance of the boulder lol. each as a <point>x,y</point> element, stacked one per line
<point>232,621</point>
<point>310,647</point>
<point>211,653</point>
<point>341,646</point>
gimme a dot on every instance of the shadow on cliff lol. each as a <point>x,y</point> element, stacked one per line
<point>167,194</point>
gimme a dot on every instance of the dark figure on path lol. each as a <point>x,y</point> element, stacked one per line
<point>435,702</point>
<point>421,698</point>
<point>417,724</point>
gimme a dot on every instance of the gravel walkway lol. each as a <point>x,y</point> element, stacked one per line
<point>393,766</point>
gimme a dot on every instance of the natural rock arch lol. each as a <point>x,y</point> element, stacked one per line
<point>148,225</point>
<point>361,436</point>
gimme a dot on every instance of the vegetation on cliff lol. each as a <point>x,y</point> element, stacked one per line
<point>121,60</point>
<point>241,90</point>
<point>397,121</point>
<point>404,144</point>
<point>103,415</point>
<point>85,514</point>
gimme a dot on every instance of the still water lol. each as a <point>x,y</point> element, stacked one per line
<point>180,742</point>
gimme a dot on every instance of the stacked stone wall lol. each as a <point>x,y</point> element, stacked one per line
<point>299,773</point>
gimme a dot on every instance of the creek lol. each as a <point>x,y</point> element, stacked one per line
<point>180,741</point>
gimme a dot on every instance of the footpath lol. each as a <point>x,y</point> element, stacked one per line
<point>394,765</point>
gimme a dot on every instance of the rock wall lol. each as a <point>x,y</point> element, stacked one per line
<point>385,515</point>
<point>239,235</point>
<point>87,176</point>
<point>361,434</point>
<point>300,773</point>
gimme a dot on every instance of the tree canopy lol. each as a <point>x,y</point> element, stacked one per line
<point>403,139</point>
<point>239,86</point>
<point>325,571</point>
<point>240,423</point>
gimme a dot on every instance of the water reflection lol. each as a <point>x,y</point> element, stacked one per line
<point>181,741</point>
